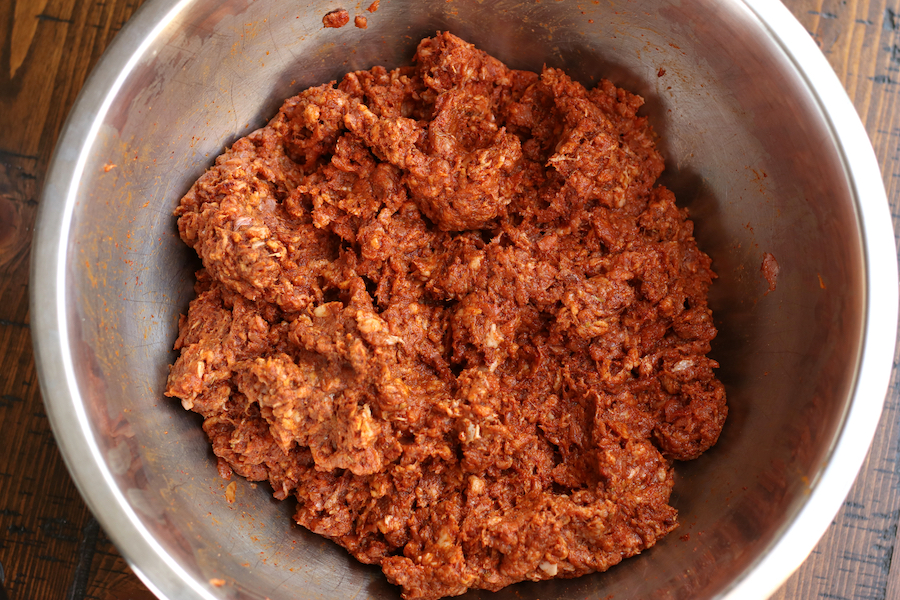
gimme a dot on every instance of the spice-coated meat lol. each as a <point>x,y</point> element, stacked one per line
<point>448,309</point>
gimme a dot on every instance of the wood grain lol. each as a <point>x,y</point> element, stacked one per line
<point>52,547</point>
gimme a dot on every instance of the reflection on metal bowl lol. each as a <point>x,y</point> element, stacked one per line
<point>761,143</point>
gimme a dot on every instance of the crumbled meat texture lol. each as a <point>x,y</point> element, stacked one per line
<point>448,310</point>
<point>336,18</point>
<point>360,21</point>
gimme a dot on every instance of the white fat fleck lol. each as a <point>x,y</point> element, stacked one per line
<point>320,311</point>
<point>549,568</point>
<point>367,426</point>
<point>368,323</point>
<point>445,541</point>
<point>493,337</point>
<point>682,365</point>
<point>387,523</point>
<point>476,485</point>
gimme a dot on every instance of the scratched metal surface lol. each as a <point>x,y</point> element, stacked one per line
<point>51,547</point>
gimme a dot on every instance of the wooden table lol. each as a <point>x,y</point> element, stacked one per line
<point>50,544</point>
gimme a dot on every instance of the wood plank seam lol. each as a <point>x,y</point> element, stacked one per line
<point>86,550</point>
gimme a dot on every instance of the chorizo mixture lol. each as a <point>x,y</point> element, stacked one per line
<point>447,309</point>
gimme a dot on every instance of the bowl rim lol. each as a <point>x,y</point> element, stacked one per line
<point>849,450</point>
<point>161,572</point>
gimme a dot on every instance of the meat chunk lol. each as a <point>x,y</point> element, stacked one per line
<point>468,173</point>
<point>336,18</point>
<point>448,309</point>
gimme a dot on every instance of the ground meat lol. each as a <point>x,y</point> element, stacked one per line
<point>448,309</point>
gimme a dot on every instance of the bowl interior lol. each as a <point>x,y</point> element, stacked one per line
<point>747,149</point>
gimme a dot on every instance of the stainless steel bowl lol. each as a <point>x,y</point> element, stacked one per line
<point>761,143</point>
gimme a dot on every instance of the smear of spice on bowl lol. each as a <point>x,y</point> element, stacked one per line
<point>770,270</point>
<point>448,309</point>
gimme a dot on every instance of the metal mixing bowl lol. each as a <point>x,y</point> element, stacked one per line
<point>762,145</point>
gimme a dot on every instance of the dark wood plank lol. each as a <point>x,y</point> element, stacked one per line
<point>50,545</point>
